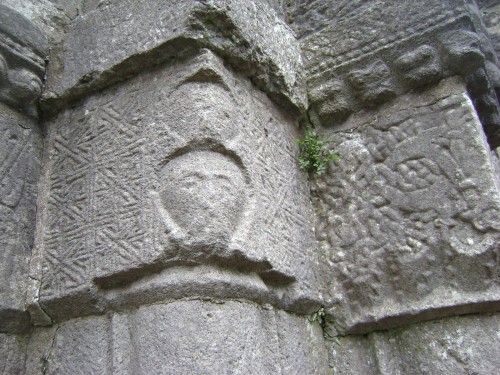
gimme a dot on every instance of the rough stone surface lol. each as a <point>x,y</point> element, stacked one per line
<point>183,337</point>
<point>409,217</point>
<point>184,167</point>
<point>108,44</point>
<point>22,51</point>
<point>50,16</point>
<point>20,152</point>
<point>463,345</point>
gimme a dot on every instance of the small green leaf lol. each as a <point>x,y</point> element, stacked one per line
<point>314,154</point>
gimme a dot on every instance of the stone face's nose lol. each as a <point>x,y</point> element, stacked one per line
<point>203,194</point>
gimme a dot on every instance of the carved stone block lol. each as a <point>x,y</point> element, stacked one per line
<point>108,44</point>
<point>332,102</point>
<point>23,50</point>
<point>462,51</point>
<point>409,217</point>
<point>373,83</point>
<point>179,182</point>
<point>421,66</point>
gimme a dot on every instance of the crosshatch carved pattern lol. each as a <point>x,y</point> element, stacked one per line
<point>96,196</point>
<point>411,210</point>
<point>104,211</point>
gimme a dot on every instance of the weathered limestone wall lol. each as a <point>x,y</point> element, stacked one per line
<point>181,337</point>
<point>50,17</point>
<point>360,54</point>
<point>408,220</point>
<point>250,36</point>
<point>22,53</point>
<point>154,218</point>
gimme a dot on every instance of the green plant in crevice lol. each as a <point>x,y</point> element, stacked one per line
<point>326,323</point>
<point>317,316</point>
<point>314,153</point>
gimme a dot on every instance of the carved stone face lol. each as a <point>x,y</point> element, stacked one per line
<point>203,193</point>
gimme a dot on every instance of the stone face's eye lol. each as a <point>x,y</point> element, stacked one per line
<point>224,182</point>
<point>190,180</point>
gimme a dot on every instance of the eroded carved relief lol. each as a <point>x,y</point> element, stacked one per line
<point>21,87</point>
<point>187,166</point>
<point>22,52</point>
<point>20,152</point>
<point>203,196</point>
<point>410,217</point>
<point>360,54</point>
<point>21,69</point>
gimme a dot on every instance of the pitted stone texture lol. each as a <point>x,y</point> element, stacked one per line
<point>369,29</point>
<point>12,353</point>
<point>183,337</point>
<point>409,217</point>
<point>360,54</point>
<point>123,37</point>
<point>462,345</point>
<point>187,166</point>
<point>23,50</point>
<point>20,153</point>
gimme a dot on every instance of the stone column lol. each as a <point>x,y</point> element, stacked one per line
<point>176,229</point>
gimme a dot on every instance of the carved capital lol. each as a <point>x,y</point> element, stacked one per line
<point>23,51</point>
